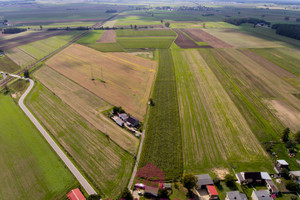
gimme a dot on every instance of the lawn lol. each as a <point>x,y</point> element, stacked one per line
<point>7,65</point>
<point>29,168</point>
<point>139,33</point>
<point>162,146</point>
<point>215,134</point>
<point>101,160</point>
<point>29,53</point>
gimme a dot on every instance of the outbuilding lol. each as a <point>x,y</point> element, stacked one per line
<point>75,195</point>
<point>235,195</point>
<point>280,164</point>
<point>261,195</point>
<point>132,121</point>
<point>153,191</point>
<point>203,181</point>
<point>212,191</point>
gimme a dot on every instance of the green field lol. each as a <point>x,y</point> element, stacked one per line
<point>103,162</point>
<point>29,53</point>
<point>145,42</point>
<point>282,58</point>
<point>215,134</point>
<point>162,145</point>
<point>29,168</point>
<point>7,65</point>
<point>139,33</point>
<point>137,20</point>
<point>90,38</point>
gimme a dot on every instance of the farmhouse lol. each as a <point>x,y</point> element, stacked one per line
<point>132,121</point>
<point>261,195</point>
<point>272,187</point>
<point>203,181</point>
<point>235,195</point>
<point>212,191</point>
<point>75,195</point>
<point>295,175</point>
<point>153,191</point>
<point>123,116</point>
<point>118,121</point>
<point>280,164</point>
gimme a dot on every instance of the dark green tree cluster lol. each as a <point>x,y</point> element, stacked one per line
<point>289,30</point>
<point>126,194</point>
<point>239,21</point>
<point>118,109</point>
<point>13,30</point>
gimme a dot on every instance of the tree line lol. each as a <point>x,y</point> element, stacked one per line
<point>289,30</point>
<point>239,21</point>
<point>13,30</point>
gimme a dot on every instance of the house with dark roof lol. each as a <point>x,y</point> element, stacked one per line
<point>132,121</point>
<point>235,195</point>
<point>272,187</point>
<point>153,191</point>
<point>252,177</point>
<point>203,181</point>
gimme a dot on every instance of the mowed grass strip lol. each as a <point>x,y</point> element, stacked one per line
<point>30,169</point>
<point>105,164</point>
<point>88,105</point>
<point>27,54</point>
<point>281,58</point>
<point>7,65</point>
<point>245,92</point>
<point>162,146</point>
<point>145,33</point>
<point>214,131</point>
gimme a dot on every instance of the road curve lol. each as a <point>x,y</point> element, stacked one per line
<point>88,188</point>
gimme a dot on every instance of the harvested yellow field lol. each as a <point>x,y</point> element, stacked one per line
<point>88,105</point>
<point>118,78</point>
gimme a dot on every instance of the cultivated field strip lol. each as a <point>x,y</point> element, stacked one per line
<point>214,131</point>
<point>246,92</point>
<point>109,36</point>
<point>162,146</point>
<point>120,79</point>
<point>106,164</point>
<point>29,168</point>
<point>88,105</point>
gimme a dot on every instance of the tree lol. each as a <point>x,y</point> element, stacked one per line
<point>162,21</point>
<point>94,197</point>
<point>229,180</point>
<point>284,173</point>
<point>26,74</point>
<point>126,194</point>
<point>263,15</point>
<point>131,26</point>
<point>216,181</point>
<point>291,185</point>
<point>6,89</point>
<point>294,197</point>
<point>151,102</point>
<point>135,26</point>
<point>298,20</point>
<point>204,25</point>
<point>287,18</point>
<point>285,135</point>
<point>189,181</point>
<point>297,137</point>
<point>163,194</point>
<point>167,24</point>
<point>290,144</point>
<point>41,27</point>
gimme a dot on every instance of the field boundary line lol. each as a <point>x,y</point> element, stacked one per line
<point>88,188</point>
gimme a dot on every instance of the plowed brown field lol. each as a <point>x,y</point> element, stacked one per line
<point>199,35</point>
<point>118,78</point>
<point>109,36</point>
<point>183,41</point>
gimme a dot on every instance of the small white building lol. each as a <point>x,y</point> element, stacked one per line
<point>261,195</point>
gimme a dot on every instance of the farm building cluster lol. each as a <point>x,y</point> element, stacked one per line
<point>129,122</point>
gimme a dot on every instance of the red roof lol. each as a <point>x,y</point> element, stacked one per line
<point>212,190</point>
<point>75,195</point>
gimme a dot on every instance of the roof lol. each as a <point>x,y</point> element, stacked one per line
<point>272,186</point>
<point>253,175</point>
<point>265,176</point>
<point>75,195</point>
<point>132,120</point>
<point>212,190</point>
<point>168,185</point>
<point>151,190</point>
<point>240,177</point>
<point>118,121</point>
<point>295,173</point>
<point>123,116</point>
<point>204,179</point>
<point>236,195</point>
<point>282,162</point>
<point>262,195</point>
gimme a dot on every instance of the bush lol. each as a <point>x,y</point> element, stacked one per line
<point>284,173</point>
<point>290,144</point>
<point>294,197</point>
<point>126,194</point>
<point>164,194</point>
<point>94,197</point>
<point>229,180</point>
<point>285,135</point>
<point>189,181</point>
<point>297,137</point>
<point>291,185</point>
<point>216,181</point>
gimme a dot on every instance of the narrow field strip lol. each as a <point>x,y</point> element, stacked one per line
<point>104,163</point>
<point>163,146</point>
<point>212,124</point>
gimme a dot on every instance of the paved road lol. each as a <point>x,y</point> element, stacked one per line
<point>88,188</point>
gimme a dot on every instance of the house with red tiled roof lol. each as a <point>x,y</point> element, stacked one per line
<point>75,195</point>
